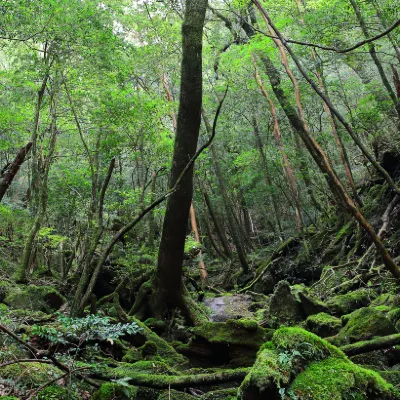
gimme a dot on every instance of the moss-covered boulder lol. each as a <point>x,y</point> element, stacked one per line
<point>36,298</point>
<point>323,324</point>
<point>349,302</point>
<point>113,391</point>
<point>218,343</point>
<point>284,308</point>
<point>300,365</point>
<point>337,379</point>
<point>364,324</point>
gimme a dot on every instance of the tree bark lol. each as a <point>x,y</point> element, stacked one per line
<point>12,169</point>
<point>168,293</point>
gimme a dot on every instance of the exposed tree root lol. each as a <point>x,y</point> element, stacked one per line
<point>371,345</point>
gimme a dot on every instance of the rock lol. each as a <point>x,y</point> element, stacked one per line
<point>323,325</point>
<point>35,298</point>
<point>284,309</point>
<point>349,302</point>
<point>364,324</point>
<point>235,342</point>
<point>229,307</point>
<point>298,364</point>
<point>311,305</point>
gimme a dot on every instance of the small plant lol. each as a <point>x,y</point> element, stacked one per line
<point>92,327</point>
<point>286,358</point>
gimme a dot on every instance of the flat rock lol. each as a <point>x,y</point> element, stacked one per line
<point>229,307</point>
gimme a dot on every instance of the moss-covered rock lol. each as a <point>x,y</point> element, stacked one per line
<point>239,332</point>
<point>35,298</point>
<point>349,302</point>
<point>335,379</point>
<point>284,308</point>
<point>364,324</point>
<point>323,324</point>
<point>113,391</point>
<point>299,364</point>
<point>30,375</point>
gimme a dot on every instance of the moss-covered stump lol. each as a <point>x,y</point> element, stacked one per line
<point>113,391</point>
<point>36,298</point>
<point>349,302</point>
<point>364,324</point>
<point>235,342</point>
<point>284,308</point>
<point>323,324</point>
<point>299,364</point>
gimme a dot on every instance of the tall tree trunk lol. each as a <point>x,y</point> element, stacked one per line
<point>168,292</point>
<point>12,169</point>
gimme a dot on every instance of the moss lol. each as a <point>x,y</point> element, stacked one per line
<point>8,398</point>
<point>35,298</point>
<point>394,315</point>
<point>56,393</point>
<point>246,333</point>
<point>132,356</point>
<point>225,394</point>
<point>111,391</point>
<point>153,367</point>
<point>247,324</point>
<point>364,324</point>
<point>154,324</point>
<point>385,299</point>
<point>284,309</point>
<point>298,339</point>
<point>30,375</point>
<point>349,302</point>
<point>337,379</point>
<point>165,350</point>
<point>323,324</point>
<point>175,395</point>
<point>266,376</point>
<point>346,229</point>
<point>392,377</point>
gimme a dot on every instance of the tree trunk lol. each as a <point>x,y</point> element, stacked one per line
<point>168,291</point>
<point>202,266</point>
<point>12,169</point>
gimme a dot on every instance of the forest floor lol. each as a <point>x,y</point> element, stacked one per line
<point>317,318</point>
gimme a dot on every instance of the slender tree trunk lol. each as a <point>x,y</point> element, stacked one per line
<point>151,215</point>
<point>202,266</point>
<point>228,211</point>
<point>12,169</point>
<point>277,134</point>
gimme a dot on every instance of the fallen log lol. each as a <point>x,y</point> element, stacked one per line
<point>370,345</point>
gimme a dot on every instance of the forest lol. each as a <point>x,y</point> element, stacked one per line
<point>200,199</point>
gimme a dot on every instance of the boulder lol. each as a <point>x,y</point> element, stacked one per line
<point>364,324</point>
<point>284,308</point>
<point>323,324</point>
<point>229,307</point>
<point>298,364</point>
<point>349,302</point>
